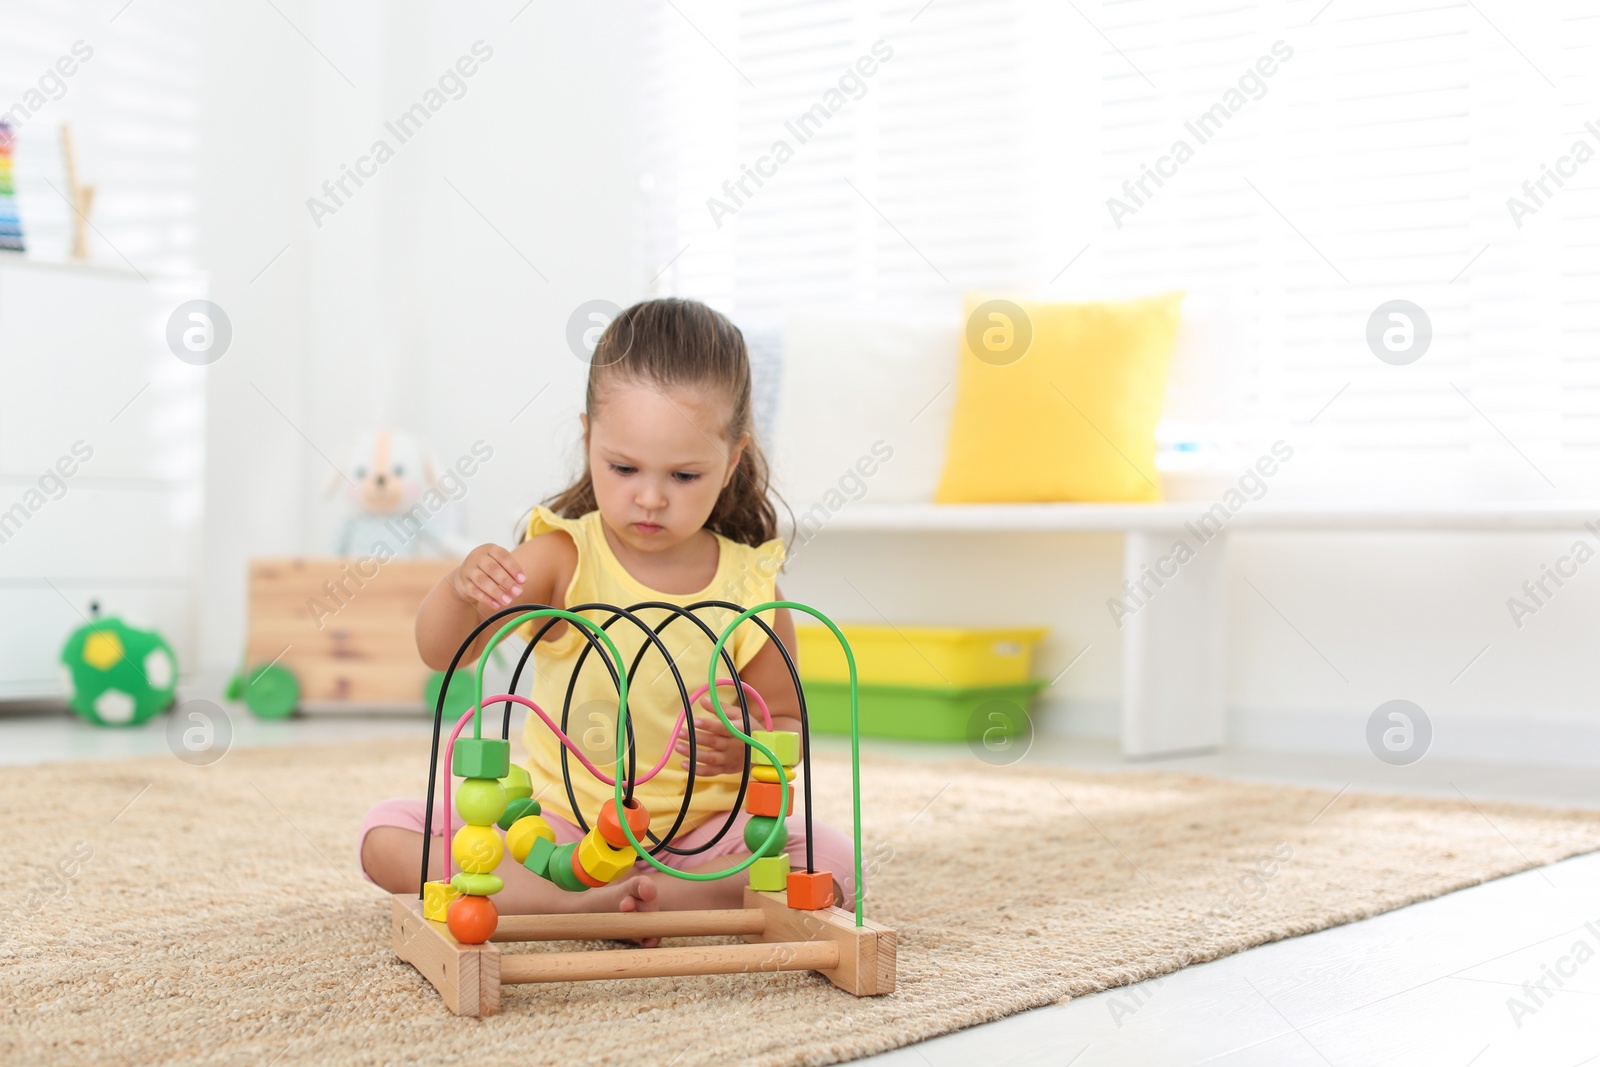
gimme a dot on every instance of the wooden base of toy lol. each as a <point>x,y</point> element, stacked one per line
<point>859,960</point>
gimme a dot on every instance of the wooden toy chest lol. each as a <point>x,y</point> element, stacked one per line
<point>344,627</point>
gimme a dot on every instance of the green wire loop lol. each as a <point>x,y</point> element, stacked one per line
<point>716,703</point>
<point>544,613</point>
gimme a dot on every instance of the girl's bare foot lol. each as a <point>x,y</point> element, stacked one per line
<point>638,893</point>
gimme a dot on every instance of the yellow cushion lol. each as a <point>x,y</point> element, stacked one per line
<point>1059,401</point>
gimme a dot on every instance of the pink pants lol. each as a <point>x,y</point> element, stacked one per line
<point>831,850</point>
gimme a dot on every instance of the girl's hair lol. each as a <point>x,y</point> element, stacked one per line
<point>675,343</point>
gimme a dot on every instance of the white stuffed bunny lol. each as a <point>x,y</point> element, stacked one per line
<point>398,506</point>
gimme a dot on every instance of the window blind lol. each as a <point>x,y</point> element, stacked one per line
<point>887,174</point>
<point>127,83</point>
<point>1338,157</point>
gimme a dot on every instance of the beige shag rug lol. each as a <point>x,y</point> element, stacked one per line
<point>162,913</point>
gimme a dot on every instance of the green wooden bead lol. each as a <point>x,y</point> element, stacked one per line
<point>756,831</point>
<point>539,855</point>
<point>770,874</point>
<point>480,801</point>
<point>481,757</point>
<point>481,885</point>
<point>559,868</point>
<point>785,744</point>
<point>517,782</point>
<point>516,809</point>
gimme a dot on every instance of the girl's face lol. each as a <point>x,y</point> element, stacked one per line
<point>659,460</point>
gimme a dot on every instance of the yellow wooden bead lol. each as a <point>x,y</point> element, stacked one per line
<point>523,833</point>
<point>601,860</point>
<point>785,744</point>
<point>477,849</point>
<point>436,898</point>
<point>761,772</point>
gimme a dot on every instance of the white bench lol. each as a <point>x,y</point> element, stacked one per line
<point>1174,683</point>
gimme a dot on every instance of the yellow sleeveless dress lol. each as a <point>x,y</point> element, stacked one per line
<point>745,576</point>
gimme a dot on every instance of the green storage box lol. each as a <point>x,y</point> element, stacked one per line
<point>924,713</point>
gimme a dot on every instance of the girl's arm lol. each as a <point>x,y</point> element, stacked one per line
<point>489,579</point>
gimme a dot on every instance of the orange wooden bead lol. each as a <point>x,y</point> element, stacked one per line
<point>810,890</point>
<point>472,919</point>
<point>762,798</point>
<point>638,822</point>
<point>582,875</point>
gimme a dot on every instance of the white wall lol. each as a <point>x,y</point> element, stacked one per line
<point>83,355</point>
<point>405,307</point>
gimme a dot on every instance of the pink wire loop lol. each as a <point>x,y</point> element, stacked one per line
<point>761,705</point>
<point>677,731</point>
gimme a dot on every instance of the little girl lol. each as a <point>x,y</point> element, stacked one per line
<point>672,506</point>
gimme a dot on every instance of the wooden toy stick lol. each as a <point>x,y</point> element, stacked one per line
<point>580,927</point>
<point>80,197</point>
<point>663,962</point>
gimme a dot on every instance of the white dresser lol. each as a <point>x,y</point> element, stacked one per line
<point>88,385</point>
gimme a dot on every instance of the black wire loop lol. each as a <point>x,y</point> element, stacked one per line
<point>593,642</point>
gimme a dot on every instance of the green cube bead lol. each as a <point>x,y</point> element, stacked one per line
<point>756,831</point>
<point>516,809</point>
<point>538,860</point>
<point>560,868</point>
<point>481,757</point>
<point>770,874</point>
<point>517,782</point>
<point>785,744</point>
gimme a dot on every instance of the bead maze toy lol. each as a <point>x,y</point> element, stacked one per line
<point>450,929</point>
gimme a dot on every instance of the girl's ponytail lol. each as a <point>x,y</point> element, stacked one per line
<point>744,512</point>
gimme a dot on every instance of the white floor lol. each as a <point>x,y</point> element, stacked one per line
<point>1428,984</point>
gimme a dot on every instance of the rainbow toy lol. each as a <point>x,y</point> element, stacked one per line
<point>449,931</point>
<point>10,224</point>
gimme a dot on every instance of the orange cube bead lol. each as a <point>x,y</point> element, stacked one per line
<point>763,798</point>
<point>810,890</point>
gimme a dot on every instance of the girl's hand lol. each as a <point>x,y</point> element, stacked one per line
<point>716,750</point>
<point>489,576</point>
